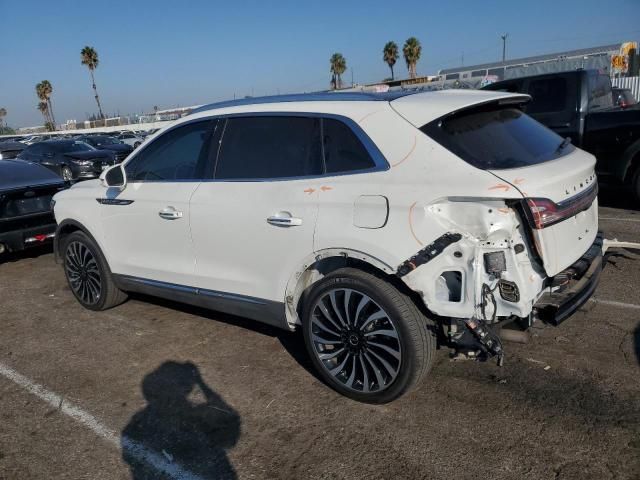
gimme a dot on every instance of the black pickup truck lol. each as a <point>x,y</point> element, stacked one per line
<point>579,105</point>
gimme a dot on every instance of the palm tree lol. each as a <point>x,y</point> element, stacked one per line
<point>411,52</point>
<point>42,96</point>
<point>338,67</point>
<point>47,89</point>
<point>89,57</point>
<point>44,109</point>
<point>3,113</point>
<point>390,55</point>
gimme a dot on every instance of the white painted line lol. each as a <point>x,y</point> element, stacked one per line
<point>612,303</point>
<point>620,219</point>
<point>133,448</point>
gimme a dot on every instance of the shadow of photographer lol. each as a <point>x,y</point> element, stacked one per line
<point>192,433</point>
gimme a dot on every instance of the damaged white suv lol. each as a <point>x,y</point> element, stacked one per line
<point>383,225</point>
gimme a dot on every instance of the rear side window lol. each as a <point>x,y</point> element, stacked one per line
<point>548,95</point>
<point>270,147</point>
<point>343,150</point>
<point>497,138</point>
<point>179,154</point>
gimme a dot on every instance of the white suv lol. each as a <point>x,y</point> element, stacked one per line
<point>384,225</point>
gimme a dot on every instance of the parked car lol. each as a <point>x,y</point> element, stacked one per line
<point>130,139</point>
<point>105,142</point>
<point>35,139</point>
<point>380,224</point>
<point>623,97</point>
<point>71,159</point>
<point>26,217</point>
<point>579,105</point>
<point>10,149</point>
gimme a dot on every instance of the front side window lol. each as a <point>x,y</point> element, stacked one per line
<point>493,138</point>
<point>269,147</point>
<point>179,154</point>
<point>343,150</point>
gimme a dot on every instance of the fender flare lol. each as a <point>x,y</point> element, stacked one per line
<point>627,159</point>
<point>64,225</point>
<point>298,282</point>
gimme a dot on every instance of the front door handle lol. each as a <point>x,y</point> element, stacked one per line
<point>284,219</point>
<point>170,213</point>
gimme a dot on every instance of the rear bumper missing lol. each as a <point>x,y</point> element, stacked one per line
<point>556,306</point>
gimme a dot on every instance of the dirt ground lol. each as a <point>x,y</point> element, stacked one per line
<point>223,397</point>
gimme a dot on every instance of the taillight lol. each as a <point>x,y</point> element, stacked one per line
<point>543,212</point>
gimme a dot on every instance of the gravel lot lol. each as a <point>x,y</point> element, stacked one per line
<point>75,386</point>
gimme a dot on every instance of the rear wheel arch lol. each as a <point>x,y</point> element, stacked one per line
<point>328,261</point>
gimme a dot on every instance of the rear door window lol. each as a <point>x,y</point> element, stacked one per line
<point>600,92</point>
<point>548,95</point>
<point>267,147</point>
<point>497,138</point>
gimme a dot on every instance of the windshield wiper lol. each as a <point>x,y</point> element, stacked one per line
<point>566,142</point>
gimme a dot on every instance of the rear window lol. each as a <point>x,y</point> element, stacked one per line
<point>492,138</point>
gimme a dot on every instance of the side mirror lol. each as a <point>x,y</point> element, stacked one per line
<point>114,177</point>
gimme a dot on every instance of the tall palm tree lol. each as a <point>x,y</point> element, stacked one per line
<point>411,52</point>
<point>89,57</point>
<point>390,55</point>
<point>42,96</point>
<point>47,89</point>
<point>338,67</point>
<point>44,110</point>
<point>3,113</point>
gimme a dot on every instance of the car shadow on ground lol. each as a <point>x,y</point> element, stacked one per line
<point>33,252</point>
<point>292,342</point>
<point>184,422</point>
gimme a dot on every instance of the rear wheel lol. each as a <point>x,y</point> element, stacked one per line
<point>88,274</point>
<point>367,340</point>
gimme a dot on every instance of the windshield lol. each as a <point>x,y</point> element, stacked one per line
<point>497,138</point>
<point>79,147</point>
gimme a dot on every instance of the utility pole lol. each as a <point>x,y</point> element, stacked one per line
<point>352,84</point>
<point>504,46</point>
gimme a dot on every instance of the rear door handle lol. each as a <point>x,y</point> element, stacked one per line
<point>284,219</point>
<point>170,213</point>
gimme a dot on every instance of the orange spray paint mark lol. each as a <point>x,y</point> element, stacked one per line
<point>413,147</point>
<point>411,223</point>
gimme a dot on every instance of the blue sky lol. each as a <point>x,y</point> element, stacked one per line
<point>170,53</point>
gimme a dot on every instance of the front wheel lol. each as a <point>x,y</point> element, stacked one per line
<point>66,173</point>
<point>88,274</point>
<point>368,341</point>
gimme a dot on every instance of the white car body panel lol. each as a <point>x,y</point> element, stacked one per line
<point>224,243</point>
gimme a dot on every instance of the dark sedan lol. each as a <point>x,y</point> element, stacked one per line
<point>26,218</point>
<point>11,149</point>
<point>105,142</point>
<point>71,159</point>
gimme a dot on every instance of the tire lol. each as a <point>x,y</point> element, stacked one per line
<point>635,185</point>
<point>66,173</point>
<point>346,350</point>
<point>88,274</point>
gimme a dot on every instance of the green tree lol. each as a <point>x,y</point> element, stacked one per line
<point>411,51</point>
<point>338,67</point>
<point>390,55</point>
<point>47,89</point>
<point>42,96</point>
<point>3,113</point>
<point>89,57</point>
<point>44,110</point>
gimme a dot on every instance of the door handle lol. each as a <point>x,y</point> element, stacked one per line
<point>284,219</point>
<point>170,213</point>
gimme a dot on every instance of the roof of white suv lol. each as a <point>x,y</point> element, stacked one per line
<point>418,108</point>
